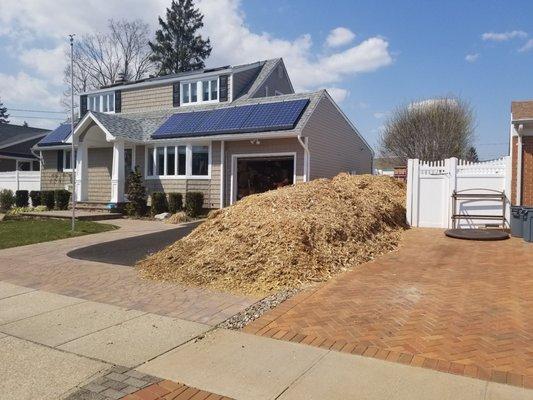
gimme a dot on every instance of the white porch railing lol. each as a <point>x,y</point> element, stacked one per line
<point>430,186</point>
<point>20,180</point>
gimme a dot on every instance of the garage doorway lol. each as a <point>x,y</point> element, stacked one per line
<point>259,173</point>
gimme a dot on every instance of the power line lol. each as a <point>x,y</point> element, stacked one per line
<point>37,111</point>
<point>34,117</point>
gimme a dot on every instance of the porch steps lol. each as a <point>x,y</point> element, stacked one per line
<point>92,206</point>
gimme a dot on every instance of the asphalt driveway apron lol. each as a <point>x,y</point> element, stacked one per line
<point>130,250</point>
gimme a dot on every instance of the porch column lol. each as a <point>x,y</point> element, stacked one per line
<point>81,172</point>
<point>117,174</point>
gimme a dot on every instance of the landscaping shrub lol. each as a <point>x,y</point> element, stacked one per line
<point>136,194</point>
<point>61,198</point>
<point>159,203</point>
<point>194,203</point>
<point>175,202</point>
<point>129,209</point>
<point>22,198</point>
<point>35,196</point>
<point>6,199</point>
<point>47,199</point>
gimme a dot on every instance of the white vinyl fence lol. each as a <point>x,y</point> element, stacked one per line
<point>20,180</point>
<point>430,186</point>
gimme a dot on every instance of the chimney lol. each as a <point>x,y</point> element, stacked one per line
<point>120,78</point>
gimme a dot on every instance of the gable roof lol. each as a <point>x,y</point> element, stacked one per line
<point>13,134</point>
<point>140,126</point>
<point>522,109</point>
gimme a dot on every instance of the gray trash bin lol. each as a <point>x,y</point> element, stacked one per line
<point>527,228</point>
<point>516,221</point>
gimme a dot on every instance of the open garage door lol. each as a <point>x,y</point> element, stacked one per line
<point>258,174</point>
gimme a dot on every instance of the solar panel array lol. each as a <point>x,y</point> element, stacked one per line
<point>57,136</point>
<point>281,115</point>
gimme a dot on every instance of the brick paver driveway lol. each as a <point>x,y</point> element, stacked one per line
<point>456,306</point>
<point>46,266</point>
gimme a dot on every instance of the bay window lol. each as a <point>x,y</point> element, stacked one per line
<point>178,161</point>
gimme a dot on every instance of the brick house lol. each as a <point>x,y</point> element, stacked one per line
<point>521,143</point>
<point>227,132</point>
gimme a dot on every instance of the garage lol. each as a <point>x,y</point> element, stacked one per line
<point>260,173</point>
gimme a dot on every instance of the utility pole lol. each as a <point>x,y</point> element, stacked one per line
<point>73,149</point>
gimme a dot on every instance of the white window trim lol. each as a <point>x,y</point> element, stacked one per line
<point>70,160</point>
<point>17,161</point>
<point>188,161</point>
<point>233,174</point>
<point>199,91</point>
<point>102,96</point>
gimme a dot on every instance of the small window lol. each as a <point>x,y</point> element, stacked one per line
<point>182,160</point>
<point>111,102</point>
<point>171,160</point>
<point>160,160</point>
<point>150,161</point>
<point>214,89</point>
<point>205,90</point>
<point>67,161</point>
<point>194,92</point>
<point>186,93</point>
<point>23,166</point>
<point>36,166</point>
<point>200,160</point>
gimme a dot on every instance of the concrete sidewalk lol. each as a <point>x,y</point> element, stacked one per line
<point>244,366</point>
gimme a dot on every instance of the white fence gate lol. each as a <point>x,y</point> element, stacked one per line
<point>20,180</point>
<point>430,186</point>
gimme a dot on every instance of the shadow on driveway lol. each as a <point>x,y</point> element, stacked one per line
<point>130,250</point>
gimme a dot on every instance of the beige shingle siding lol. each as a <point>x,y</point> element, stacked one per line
<point>99,174</point>
<point>284,145</point>
<point>334,145</point>
<point>144,99</point>
<point>276,81</point>
<point>51,178</point>
<point>209,187</point>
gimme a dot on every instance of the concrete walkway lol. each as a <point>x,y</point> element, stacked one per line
<point>46,266</point>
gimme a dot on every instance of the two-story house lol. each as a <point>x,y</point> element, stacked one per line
<point>227,132</point>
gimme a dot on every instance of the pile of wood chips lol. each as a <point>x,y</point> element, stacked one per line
<point>288,237</point>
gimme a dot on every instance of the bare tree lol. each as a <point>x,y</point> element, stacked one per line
<point>429,130</point>
<point>99,58</point>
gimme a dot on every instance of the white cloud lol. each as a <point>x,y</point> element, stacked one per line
<point>39,29</point>
<point>503,36</point>
<point>471,58</point>
<point>338,94</point>
<point>339,37</point>
<point>381,115</point>
<point>527,47</point>
<point>23,89</point>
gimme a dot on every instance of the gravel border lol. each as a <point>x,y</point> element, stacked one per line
<point>256,310</point>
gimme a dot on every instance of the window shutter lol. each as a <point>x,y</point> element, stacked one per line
<point>223,82</point>
<point>60,160</point>
<point>176,94</point>
<point>118,101</point>
<point>83,105</point>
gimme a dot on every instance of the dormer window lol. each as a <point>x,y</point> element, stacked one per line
<point>197,92</point>
<point>101,102</point>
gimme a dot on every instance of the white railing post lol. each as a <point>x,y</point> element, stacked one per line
<point>17,180</point>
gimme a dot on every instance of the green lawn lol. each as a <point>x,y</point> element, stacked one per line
<point>21,232</point>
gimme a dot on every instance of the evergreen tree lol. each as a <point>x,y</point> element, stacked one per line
<point>3,114</point>
<point>471,155</point>
<point>136,192</point>
<point>25,124</point>
<point>177,46</point>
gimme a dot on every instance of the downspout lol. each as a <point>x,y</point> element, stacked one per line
<point>307,153</point>
<point>222,173</point>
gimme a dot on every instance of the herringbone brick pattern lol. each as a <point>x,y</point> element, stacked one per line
<point>168,390</point>
<point>456,306</point>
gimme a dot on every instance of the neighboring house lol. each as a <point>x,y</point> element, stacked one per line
<point>391,166</point>
<point>227,132</point>
<point>521,144</point>
<point>16,142</point>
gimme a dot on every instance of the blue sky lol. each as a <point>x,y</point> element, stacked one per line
<point>381,54</point>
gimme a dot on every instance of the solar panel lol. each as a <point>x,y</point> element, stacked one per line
<point>240,119</point>
<point>57,136</point>
<point>274,116</point>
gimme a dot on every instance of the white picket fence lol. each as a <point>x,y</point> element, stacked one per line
<point>430,186</point>
<point>20,180</point>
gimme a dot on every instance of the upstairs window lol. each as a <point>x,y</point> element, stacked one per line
<point>195,92</point>
<point>101,102</point>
